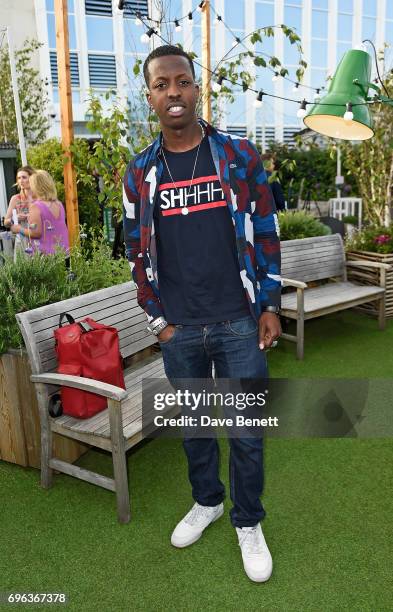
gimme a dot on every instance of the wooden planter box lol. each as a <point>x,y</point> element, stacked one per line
<point>19,416</point>
<point>371,277</point>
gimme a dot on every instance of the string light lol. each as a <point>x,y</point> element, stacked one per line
<point>302,112</point>
<point>145,38</point>
<point>216,85</point>
<point>348,115</point>
<point>218,19</point>
<point>259,99</point>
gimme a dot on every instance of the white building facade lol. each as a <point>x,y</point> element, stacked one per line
<point>105,42</point>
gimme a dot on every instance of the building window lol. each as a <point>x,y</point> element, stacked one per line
<point>102,71</point>
<point>74,68</point>
<point>99,33</point>
<point>98,7</point>
<point>136,6</point>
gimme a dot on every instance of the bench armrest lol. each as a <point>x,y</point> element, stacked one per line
<point>368,264</point>
<point>84,384</point>
<point>289,282</point>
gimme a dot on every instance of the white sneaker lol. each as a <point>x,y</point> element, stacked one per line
<point>257,559</point>
<point>191,527</point>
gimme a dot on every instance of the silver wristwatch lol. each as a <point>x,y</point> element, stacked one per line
<point>157,326</point>
<point>274,309</point>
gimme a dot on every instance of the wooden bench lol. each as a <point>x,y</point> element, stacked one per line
<point>323,259</point>
<point>115,429</point>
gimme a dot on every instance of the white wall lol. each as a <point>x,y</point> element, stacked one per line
<point>20,16</point>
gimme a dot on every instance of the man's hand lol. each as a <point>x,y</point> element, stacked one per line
<point>269,329</point>
<point>166,333</point>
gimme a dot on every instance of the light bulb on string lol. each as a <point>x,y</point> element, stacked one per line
<point>295,87</point>
<point>218,19</point>
<point>177,26</point>
<point>275,76</point>
<point>244,86</point>
<point>317,95</point>
<point>236,41</point>
<point>145,38</point>
<point>216,85</point>
<point>200,7</point>
<point>259,100</point>
<point>138,20</point>
<point>190,16</point>
<point>302,112</point>
<point>348,115</point>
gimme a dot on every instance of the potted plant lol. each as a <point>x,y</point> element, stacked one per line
<point>300,224</point>
<point>373,243</point>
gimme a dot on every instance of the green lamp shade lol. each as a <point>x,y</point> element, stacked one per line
<point>349,84</point>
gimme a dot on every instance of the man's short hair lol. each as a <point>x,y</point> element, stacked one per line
<point>163,51</point>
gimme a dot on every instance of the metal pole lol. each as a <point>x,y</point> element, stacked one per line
<point>18,114</point>
<point>338,168</point>
<point>206,100</point>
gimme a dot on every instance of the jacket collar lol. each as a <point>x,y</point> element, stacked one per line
<point>209,129</point>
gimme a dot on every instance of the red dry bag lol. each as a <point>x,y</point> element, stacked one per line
<point>91,350</point>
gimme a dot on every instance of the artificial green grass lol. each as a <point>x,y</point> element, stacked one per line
<point>328,523</point>
<point>343,344</point>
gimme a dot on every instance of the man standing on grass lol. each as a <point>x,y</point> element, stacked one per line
<point>201,236</point>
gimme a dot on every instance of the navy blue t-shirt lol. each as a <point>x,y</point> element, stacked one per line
<point>197,261</point>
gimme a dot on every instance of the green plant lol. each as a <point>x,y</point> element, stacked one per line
<point>351,219</point>
<point>377,239</point>
<point>49,156</point>
<point>32,95</point>
<point>308,173</point>
<point>34,281</point>
<point>300,224</point>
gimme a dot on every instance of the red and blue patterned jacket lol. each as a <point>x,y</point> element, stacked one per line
<point>250,202</point>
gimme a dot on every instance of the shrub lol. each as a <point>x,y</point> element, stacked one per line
<point>300,224</point>
<point>351,219</point>
<point>49,156</point>
<point>312,176</point>
<point>38,280</point>
<point>377,239</point>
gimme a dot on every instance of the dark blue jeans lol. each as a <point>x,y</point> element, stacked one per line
<point>233,348</point>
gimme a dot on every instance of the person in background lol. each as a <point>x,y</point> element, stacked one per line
<point>20,203</point>
<point>275,186</point>
<point>46,228</point>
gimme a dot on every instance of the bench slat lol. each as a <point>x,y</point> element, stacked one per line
<point>99,423</point>
<point>312,259</point>
<point>328,295</point>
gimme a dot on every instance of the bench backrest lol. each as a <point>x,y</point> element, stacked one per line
<point>116,306</point>
<point>311,259</point>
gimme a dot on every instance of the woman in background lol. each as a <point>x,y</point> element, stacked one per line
<point>20,203</point>
<point>47,228</point>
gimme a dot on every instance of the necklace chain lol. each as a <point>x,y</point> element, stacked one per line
<point>187,193</point>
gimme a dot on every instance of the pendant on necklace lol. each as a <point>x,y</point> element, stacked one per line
<point>184,211</point>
